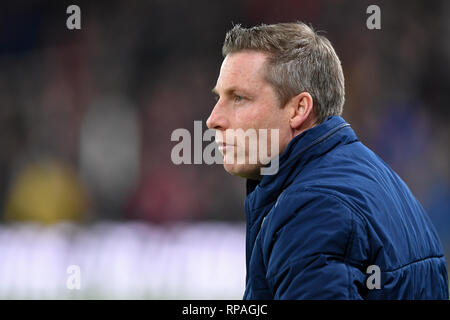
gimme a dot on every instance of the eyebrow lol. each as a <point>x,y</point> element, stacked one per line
<point>230,90</point>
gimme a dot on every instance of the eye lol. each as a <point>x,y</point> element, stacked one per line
<point>238,98</point>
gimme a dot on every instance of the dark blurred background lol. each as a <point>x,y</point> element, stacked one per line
<point>86,115</point>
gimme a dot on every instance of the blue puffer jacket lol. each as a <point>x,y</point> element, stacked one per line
<point>333,209</point>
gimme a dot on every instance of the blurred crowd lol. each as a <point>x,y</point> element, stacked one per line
<point>86,115</point>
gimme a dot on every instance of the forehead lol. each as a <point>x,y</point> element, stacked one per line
<point>244,69</point>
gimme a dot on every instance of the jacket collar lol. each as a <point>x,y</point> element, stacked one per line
<point>303,148</point>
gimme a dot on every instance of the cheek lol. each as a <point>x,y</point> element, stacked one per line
<point>285,136</point>
<point>276,119</point>
<point>246,118</point>
<point>261,115</point>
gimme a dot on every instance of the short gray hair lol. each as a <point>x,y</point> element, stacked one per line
<point>299,60</point>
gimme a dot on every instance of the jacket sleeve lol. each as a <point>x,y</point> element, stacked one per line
<point>308,249</point>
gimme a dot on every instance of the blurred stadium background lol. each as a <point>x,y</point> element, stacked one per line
<point>86,117</point>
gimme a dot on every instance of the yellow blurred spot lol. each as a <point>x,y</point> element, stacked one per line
<point>46,192</point>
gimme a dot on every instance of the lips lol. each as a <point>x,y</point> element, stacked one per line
<point>223,146</point>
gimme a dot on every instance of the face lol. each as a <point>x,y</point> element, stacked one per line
<point>245,104</point>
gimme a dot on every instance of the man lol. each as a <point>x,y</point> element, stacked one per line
<point>334,221</point>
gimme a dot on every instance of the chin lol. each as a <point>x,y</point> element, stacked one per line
<point>243,170</point>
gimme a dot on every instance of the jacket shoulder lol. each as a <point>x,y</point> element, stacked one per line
<point>305,222</point>
<point>311,235</point>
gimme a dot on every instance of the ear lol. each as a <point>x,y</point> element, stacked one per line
<point>302,111</point>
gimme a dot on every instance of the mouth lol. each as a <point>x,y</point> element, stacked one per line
<point>223,146</point>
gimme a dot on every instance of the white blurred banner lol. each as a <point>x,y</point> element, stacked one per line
<point>123,261</point>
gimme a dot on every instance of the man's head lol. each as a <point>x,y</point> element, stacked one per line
<point>283,77</point>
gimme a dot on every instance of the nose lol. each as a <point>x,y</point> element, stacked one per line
<point>217,119</point>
